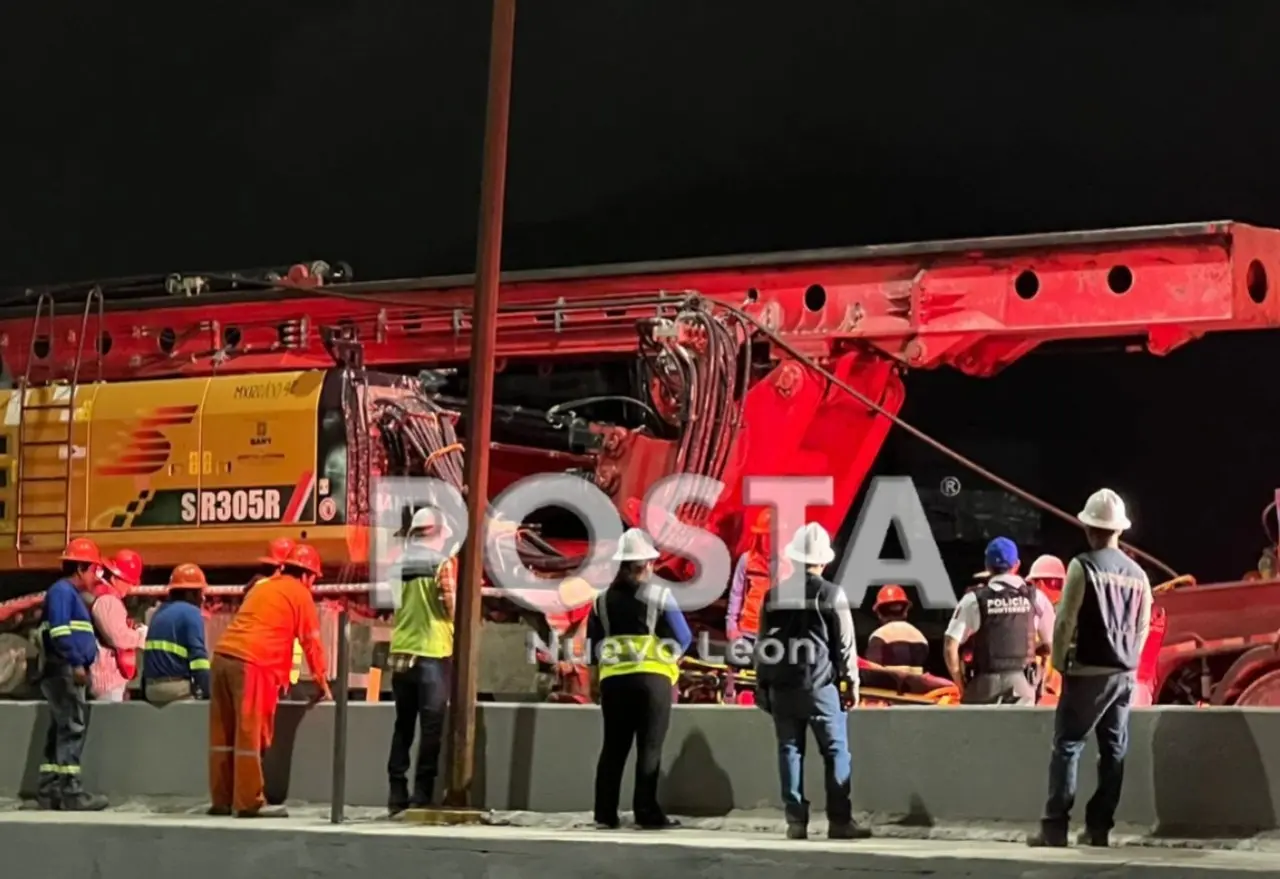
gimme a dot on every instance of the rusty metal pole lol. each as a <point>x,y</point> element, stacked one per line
<point>484,315</point>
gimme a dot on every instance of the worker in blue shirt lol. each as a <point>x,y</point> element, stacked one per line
<point>175,660</point>
<point>637,636</point>
<point>70,648</point>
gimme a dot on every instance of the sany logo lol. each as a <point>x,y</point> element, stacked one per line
<point>891,502</point>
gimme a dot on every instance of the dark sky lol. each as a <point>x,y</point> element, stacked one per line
<point>149,137</point>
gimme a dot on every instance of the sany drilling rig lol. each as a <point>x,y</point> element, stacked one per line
<point>195,417</point>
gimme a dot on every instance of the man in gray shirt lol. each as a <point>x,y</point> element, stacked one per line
<point>1103,619</point>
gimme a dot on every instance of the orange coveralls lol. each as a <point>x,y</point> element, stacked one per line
<point>250,664</point>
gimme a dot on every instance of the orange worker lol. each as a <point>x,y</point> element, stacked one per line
<point>752,579</point>
<point>277,553</point>
<point>897,644</point>
<point>250,664</point>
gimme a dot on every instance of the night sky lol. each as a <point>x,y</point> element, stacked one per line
<point>157,137</point>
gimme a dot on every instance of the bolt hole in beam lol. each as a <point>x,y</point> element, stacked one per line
<point>753,295</point>
<point>104,343</point>
<point>1120,279</point>
<point>41,347</point>
<point>815,297</point>
<point>1255,281</point>
<point>231,337</point>
<point>1026,285</point>
<point>167,339</point>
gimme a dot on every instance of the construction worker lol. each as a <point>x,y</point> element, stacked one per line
<point>752,578</point>
<point>807,673</point>
<point>70,649</point>
<point>638,636</point>
<point>175,658</point>
<point>1047,574</point>
<point>897,644</point>
<point>421,657</point>
<point>1009,623</point>
<point>1104,617</point>
<point>250,664</point>
<point>118,641</point>
<point>277,552</point>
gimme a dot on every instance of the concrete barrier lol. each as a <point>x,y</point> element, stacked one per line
<point>68,846</point>
<point>1190,772</point>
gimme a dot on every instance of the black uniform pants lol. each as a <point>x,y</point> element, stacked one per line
<point>422,698</point>
<point>636,708</point>
<point>64,742</point>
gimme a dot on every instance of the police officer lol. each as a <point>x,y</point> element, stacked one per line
<point>1009,621</point>
<point>637,635</point>
<point>1103,618</point>
<point>805,652</point>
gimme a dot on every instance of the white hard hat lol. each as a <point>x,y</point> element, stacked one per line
<point>428,520</point>
<point>1104,510</point>
<point>635,546</point>
<point>811,546</point>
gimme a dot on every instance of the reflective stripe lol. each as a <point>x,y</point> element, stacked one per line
<point>55,769</point>
<point>221,749</point>
<point>168,647</point>
<point>199,665</point>
<point>82,626</point>
<point>59,631</point>
<point>254,754</point>
<point>295,674</point>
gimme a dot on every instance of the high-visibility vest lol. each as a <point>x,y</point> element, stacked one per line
<point>295,674</point>
<point>636,654</point>
<point>759,579</point>
<point>422,626</point>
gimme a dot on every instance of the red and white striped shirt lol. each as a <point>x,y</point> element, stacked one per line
<point>111,621</point>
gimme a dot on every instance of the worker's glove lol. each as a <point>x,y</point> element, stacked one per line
<point>848,693</point>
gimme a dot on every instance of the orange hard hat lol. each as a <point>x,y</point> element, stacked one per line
<point>305,556</point>
<point>82,550</point>
<point>1047,567</point>
<point>278,551</point>
<point>187,576</point>
<point>891,594</point>
<point>125,567</point>
<point>763,523</point>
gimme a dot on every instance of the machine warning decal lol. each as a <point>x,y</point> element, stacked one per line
<point>227,506</point>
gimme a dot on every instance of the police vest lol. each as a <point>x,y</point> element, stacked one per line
<point>636,652</point>
<point>1006,636</point>
<point>1107,625</point>
<point>422,625</point>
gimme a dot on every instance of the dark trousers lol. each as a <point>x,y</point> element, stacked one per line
<point>794,713</point>
<point>1089,703</point>
<point>636,708</point>
<point>64,742</point>
<point>422,698</point>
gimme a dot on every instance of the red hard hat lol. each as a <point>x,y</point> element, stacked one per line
<point>763,523</point>
<point>891,594</point>
<point>278,551</point>
<point>1047,567</point>
<point>305,556</point>
<point>187,576</point>
<point>125,567</point>
<point>82,550</point>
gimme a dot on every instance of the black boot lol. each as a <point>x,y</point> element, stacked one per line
<point>83,802</point>
<point>847,830</point>
<point>424,790</point>
<point>398,798</point>
<point>1094,838</point>
<point>1048,837</point>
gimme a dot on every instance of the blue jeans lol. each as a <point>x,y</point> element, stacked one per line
<point>1089,703</point>
<point>794,714</point>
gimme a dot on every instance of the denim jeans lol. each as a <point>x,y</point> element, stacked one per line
<point>795,712</point>
<point>1089,703</point>
<point>422,700</point>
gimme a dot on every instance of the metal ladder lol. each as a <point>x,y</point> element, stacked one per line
<point>52,523</point>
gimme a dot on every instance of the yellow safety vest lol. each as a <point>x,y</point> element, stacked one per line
<point>637,654</point>
<point>422,626</point>
<point>295,673</point>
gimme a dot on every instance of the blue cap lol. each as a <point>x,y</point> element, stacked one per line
<point>1002,554</point>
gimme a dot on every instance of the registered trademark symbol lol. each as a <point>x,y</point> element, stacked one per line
<point>950,486</point>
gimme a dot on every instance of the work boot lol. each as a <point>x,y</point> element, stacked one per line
<point>797,831</point>
<point>219,811</point>
<point>398,798</point>
<point>847,830</point>
<point>423,794</point>
<point>1094,838</point>
<point>84,802</point>
<point>42,803</point>
<point>265,812</point>
<point>662,822</point>
<point>1047,839</point>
